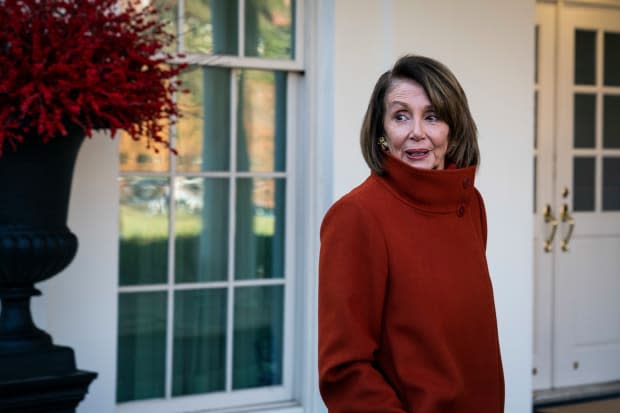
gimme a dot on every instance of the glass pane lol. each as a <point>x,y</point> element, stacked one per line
<point>143,244</point>
<point>585,57</point>
<point>584,120</point>
<point>269,31</point>
<point>167,12</point>
<point>535,120</point>
<point>141,359</point>
<point>262,121</point>
<point>611,184</point>
<point>612,59</point>
<point>203,139</point>
<point>199,360</point>
<point>583,183</point>
<point>259,240</point>
<point>611,121</point>
<point>201,224</point>
<point>258,336</point>
<point>536,52</point>
<point>134,156</point>
<point>211,27</point>
<point>535,181</point>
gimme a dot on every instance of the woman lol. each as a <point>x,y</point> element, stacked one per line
<point>406,313</point>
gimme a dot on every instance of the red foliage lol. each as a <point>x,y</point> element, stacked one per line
<point>88,63</point>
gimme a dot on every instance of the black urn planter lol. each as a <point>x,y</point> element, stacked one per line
<point>35,245</point>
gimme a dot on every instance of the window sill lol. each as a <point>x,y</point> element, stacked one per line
<point>284,407</point>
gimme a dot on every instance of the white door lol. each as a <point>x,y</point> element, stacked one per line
<point>577,337</point>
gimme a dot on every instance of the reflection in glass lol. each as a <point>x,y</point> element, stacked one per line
<point>535,181</point>
<point>585,57</point>
<point>167,12</point>
<point>535,119</point>
<point>536,51</point>
<point>261,128</point>
<point>203,139</point>
<point>135,156</point>
<point>258,336</point>
<point>199,359</point>
<point>611,121</point>
<point>143,244</point>
<point>141,361</point>
<point>584,120</point>
<point>269,31</point>
<point>201,224</point>
<point>211,27</point>
<point>612,59</point>
<point>259,232</point>
<point>583,183</point>
<point>611,184</point>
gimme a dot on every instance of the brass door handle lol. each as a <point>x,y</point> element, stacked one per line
<point>550,219</point>
<point>567,218</point>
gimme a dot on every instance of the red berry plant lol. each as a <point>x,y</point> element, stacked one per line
<point>90,64</point>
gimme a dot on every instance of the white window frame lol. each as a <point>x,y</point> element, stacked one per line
<point>286,397</point>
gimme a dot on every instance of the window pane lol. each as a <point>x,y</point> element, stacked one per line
<point>612,59</point>
<point>535,120</point>
<point>258,336</point>
<point>611,122</point>
<point>611,184</point>
<point>583,184</point>
<point>141,359</point>
<point>199,341</point>
<point>584,120</point>
<point>167,12</point>
<point>211,27</point>
<point>268,28</point>
<point>535,181</point>
<point>143,245</point>
<point>201,223</point>
<point>203,139</point>
<point>536,52</point>
<point>134,156</point>
<point>259,241</point>
<point>585,57</point>
<point>262,121</point>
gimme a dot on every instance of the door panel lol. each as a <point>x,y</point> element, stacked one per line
<point>589,326</point>
<point>545,215</point>
<point>577,335</point>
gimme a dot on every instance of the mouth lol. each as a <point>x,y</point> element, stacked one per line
<point>416,154</point>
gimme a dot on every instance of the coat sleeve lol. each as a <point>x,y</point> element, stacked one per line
<point>352,286</point>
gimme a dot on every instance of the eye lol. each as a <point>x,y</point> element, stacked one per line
<point>400,116</point>
<point>432,117</point>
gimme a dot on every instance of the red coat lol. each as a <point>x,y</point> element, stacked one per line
<point>406,312</point>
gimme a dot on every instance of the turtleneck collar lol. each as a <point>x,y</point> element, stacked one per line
<point>435,191</point>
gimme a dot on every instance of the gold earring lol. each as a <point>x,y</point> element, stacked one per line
<point>383,143</point>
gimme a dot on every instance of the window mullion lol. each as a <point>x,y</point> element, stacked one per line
<point>171,266</point>
<point>290,240</point>
<point>298,55</point>
<point>180,26</point>
<point>241,28</point>
<point>598,122</point>
<point>231,226</point>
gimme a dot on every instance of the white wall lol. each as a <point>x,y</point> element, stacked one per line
<point>489,45</point>
<point>81,304</point>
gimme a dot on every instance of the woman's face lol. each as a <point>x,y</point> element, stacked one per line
<point>414,133</point>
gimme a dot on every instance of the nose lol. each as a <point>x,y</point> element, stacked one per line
<point>417,132</point>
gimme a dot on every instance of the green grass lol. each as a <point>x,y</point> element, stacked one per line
<point>136,223</point>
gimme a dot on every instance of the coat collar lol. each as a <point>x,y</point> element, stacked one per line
<point>444,191</point>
